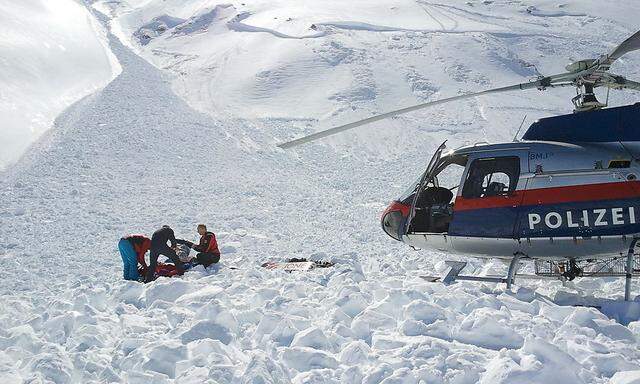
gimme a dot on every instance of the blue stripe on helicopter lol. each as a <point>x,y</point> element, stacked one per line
<point>583,219</point>
<point>605,125</point>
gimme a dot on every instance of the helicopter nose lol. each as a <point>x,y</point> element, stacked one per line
<point>394,218</point>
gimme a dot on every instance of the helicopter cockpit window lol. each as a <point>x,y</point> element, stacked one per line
<point>449,177</point>
<point>495,176</point>
<point>441,184</point>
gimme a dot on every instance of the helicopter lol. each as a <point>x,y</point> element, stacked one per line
<point>566,194</point>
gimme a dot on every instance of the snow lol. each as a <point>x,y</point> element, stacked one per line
<point>626,377</point>
<point>536,362</point>
<point>185,134</point>
<point>53,54</point>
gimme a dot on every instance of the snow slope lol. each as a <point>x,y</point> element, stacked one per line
<point>334,62</point>
<point>185,134</point>
<point>52,54</point>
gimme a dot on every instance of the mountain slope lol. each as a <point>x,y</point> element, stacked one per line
<point>53,54</point>
<point>135,155</point>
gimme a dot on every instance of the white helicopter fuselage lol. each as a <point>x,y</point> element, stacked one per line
<point>544,199</point>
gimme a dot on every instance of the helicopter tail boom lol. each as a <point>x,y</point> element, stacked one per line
<point>542,83</point>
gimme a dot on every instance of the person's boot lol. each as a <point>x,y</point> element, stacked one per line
<point>148,277</point>
<point>180,268</point>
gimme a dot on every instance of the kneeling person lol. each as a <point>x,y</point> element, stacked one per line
<point>159,247</point>
<point>207,248</point>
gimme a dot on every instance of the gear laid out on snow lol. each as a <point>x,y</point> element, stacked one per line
<point>169,270</point>
<point>183,251</point>
<point>297,264</point>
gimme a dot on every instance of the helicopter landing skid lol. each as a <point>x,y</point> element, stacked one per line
<point>615,267</point>
<point>455,267</point>
<point>627,266</point>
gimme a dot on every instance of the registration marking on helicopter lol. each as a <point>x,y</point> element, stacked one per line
<point>540,155</point>
<point>585,218</point>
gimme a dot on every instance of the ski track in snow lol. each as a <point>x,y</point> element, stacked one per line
<point>134,156</point>
<point>237,25</point>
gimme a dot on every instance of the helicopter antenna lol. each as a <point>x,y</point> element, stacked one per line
<point>584,75</point>
<point>515,137</point>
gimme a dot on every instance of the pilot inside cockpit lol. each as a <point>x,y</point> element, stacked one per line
<point>434,205</point>
<point>433,210</point>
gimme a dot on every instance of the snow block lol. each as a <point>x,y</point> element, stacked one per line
<point>197,298</point>
<point>365,323</point>
<point>305,359</point>
<point>355,353</point>
<point>54,367</point>
<point>311,337</point>
<point>218,313</point>
<point>284,333</point>
<point>483,327</point>
<point>207,329</point>
<point>627,377</point>
<point>352,304</point>
<point>423,311</point>
<point>165,289</point>
<point>261,369</point>
<point>23,337</point>
<point>316,376</point>
<point>162,358</point>
<point>537,362</point>
<point>624,312</point>
<point>599,323</point>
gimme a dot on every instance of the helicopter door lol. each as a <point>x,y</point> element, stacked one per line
<point>427,177</point>
<point>487,205</point>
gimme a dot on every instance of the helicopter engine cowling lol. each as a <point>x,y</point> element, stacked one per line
<point>580,65</point>
<point>394,219</point>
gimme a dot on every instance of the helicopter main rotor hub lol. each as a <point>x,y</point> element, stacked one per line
<point>585,99</point>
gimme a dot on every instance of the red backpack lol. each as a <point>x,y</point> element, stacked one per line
<point>162,269</point>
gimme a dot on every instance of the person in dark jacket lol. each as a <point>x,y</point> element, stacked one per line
<point>159,247</point>
<point>207,248</point>
<point>132,249</point>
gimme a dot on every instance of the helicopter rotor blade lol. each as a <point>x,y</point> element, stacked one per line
<point>632,85</point>
<point>629,45</point>
<point>619,82</point>
<point>632,43</point>
<point>542,83</point>
<point>581,72</point>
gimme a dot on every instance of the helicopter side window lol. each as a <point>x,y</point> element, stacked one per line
<point>495,176</point>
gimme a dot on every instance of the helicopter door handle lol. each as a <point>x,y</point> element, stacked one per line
<point>527,175</point>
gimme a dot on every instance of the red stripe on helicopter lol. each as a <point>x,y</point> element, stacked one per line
<point>397,206</point>
<point>555,195</point>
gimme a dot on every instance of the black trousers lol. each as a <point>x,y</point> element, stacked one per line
<point>207,259</point>
<point>153,260</point>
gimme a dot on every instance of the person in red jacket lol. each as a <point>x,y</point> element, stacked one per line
<point>132,249</point>
<point>207,248</point>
